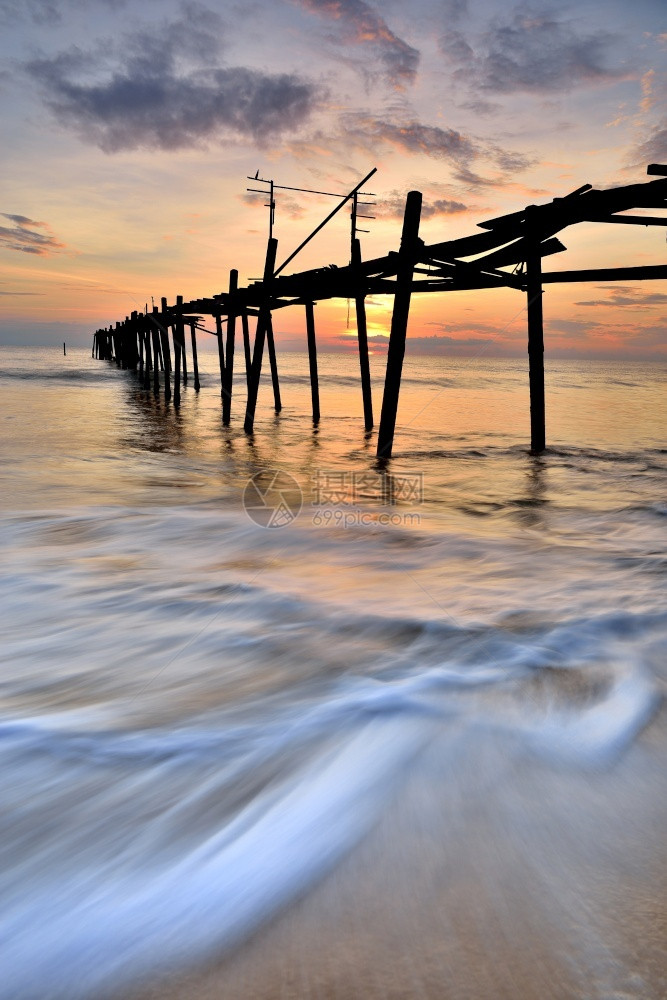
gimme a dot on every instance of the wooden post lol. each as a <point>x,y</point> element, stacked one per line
<point>179,339</point>
<point>399,323</point>
<point>195,365</point>
<point>273,364</point>
<point>312,361</point>
<point>166,352</point>
<point>535,332</point>
<point>221,353</point>
<point>246,345</point>
<point>263,321</point>
<point>183,356</point>
<point>231,333</point>
<point>134,338</point>
<point>155,335</point>
<point>156,329</point>
<point>149,353</point>
<point>362,336</point>
<point>140,335</point>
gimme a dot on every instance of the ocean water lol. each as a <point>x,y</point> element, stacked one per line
<point>404,737</point>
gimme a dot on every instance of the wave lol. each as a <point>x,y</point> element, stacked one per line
<point>145,851</point>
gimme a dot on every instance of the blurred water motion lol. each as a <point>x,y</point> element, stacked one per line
<point>431,745</point>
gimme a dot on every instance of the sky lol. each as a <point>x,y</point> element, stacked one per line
<point>130,130</point>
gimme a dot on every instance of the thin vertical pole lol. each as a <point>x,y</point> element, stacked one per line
<point>535,332</point>
<point>362,336</point>
<point>231,333</point>
<point>178,337</point>
<point>195,365</point>
<point>221,353</point>
<point>273,364</point>
<point>183,357</point>
<point>166,352</point>
<point>263,321</point>
<point>399,323</point>
<point>149,354</point>
<point>134,336</point>
<point>155,333</point>
<point>246,345</point>
<point>312,361</point>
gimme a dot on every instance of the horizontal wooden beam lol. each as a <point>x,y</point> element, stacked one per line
<point>634,220</point>
<point>646,273</point>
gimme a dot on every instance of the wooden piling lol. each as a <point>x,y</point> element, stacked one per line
<point>229,368</point>
<point>273,364</point>
<point>263,321</point>
<point>179,340</point>
<point>184,360</point>
<point>149,353</point>
<point>312,361</point>
<point>407,255</point>
<point>195,365</point>
<point>117,350</point>
<point>362,336</point>
<point>535,332</point>
<point>221,353</point>
<point>155,336</point>
<point>166,352</point>
<point>246,346</point>
<point>156,326</point>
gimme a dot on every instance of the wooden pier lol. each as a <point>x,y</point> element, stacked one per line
<point>509,252</point>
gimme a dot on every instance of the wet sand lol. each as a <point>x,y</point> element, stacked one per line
<point>491,876</point>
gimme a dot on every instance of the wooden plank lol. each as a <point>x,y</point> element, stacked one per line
<point>646,272</point>
<point>399,324</point>
<point>362,336</point>
<point>229,353</point>
<point>535,334</point>
<point>312,361</point>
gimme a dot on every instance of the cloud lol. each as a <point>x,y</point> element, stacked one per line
<point>285,204</point>
<point>361,24</point>
<point>654,149</point>
<point>417,139</point>
<point>24,237</point>
<point>622,295</point>
<point>166,90</point>
<point>532,51</point>
<point>393,207</point>
<point>439,344</point>
<point>455,10</point>
<point>38,11</point>
<point>45,12</point>
<point>413,137</point>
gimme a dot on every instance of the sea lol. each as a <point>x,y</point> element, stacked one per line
<point>278,721</point>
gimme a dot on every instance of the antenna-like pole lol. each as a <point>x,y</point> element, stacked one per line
<point>322,224</point>
<point>354,195</point>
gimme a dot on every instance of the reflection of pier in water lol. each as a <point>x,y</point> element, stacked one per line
<point>507,254</point>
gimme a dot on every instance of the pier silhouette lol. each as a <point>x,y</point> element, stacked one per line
<point>509,252</point>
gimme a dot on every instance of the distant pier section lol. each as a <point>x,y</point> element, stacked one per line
<point>509,252</point>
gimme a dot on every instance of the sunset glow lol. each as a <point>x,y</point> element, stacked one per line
<point>132,137</point>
